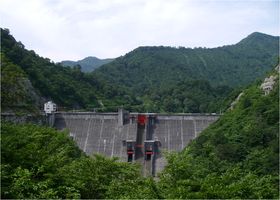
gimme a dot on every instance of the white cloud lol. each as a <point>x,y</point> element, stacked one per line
<point>73,29</point>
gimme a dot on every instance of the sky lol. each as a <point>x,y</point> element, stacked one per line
<point>74,29</point>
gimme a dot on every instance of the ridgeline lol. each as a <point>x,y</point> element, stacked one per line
<point>148,79</point>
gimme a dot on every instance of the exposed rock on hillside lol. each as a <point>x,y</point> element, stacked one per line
<point>268,84</point>
<point>235,101</point>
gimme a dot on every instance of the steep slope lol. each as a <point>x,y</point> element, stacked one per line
<point>154,74</point>
<point>61,84</point>
<point>159,67</point>
<point>17,92</point>
<point>194,96</point>
<point>236,157</point>
<point>87,64</point>
<point>68,87</point>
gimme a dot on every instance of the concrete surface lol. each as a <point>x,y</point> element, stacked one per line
<point>104,133</point>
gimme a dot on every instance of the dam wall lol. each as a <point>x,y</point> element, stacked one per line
<point>97,132</point>
<point>176,131</point>
<point>133,137</point>
<point>39,119</point>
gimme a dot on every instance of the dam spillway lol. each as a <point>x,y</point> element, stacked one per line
<point>133,137</point>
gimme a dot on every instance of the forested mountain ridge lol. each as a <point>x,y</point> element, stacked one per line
<point>68,87</point>
<point>167,79</point>
<point>87,64</point>
<point>148,79</point>
<point>237,157</point>
<point>17,92</point>
<point>260,39</point>
<point>157,67</point>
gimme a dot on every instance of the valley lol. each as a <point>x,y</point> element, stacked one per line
<point>176,121</point>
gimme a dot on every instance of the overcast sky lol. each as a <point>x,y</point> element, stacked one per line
<point>74,29</point>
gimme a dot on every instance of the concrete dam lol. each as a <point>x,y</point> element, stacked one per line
<point>133,137</point>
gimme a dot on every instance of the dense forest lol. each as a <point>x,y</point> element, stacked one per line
<point>236,157</point>
<point>182,79</point>
<point>148,79</point>
<point>155,68</point>
<point>68,87</point>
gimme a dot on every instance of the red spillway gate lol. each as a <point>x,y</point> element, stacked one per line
<point>142,119</point>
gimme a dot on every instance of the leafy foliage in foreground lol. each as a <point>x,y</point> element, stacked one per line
<point>39,162</point>
<point>237,157</point>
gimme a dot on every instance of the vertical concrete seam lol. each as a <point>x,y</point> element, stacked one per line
<point>182,139</point>
<point>168,136</point>
<point>113,145</point>
<point>195,130</point>
<point>85,145</point>
<point>104,146</point>
<point>100,135</point>
<point>75,130</point>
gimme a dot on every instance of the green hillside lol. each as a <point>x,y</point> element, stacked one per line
<point>160,67</point>
<point>167,79</point>
<point>148,79</point>
<point>17,92</point>
<point>87,64</point>
<point>68,87</point>
<point>236,157</point>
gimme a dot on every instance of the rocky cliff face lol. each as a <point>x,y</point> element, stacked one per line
<point>17,92</point>
<point>268,84</point>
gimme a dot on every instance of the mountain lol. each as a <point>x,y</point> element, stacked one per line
<point>163,78</point>
<point>87,64</point>
<point>160,67</point>
<point>17,92</point>
<point>258,38</point>
<point>148,79</point>
<point>26,77</point>
<point>235,158</point>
